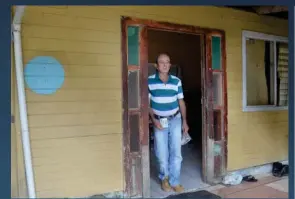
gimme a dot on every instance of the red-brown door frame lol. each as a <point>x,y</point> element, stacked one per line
<point>144,134</point>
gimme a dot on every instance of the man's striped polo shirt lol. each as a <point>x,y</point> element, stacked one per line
<point>164,97</point>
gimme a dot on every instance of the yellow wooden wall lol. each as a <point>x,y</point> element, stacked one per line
<point>76,133</point>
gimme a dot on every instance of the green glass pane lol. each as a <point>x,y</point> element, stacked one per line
<point>217,88</point>
<point>216,53</point>
<point>133,45</point>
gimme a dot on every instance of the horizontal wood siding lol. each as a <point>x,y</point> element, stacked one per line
<point>76,133</point>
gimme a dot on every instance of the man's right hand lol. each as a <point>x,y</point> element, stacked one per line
<point>157,124</point>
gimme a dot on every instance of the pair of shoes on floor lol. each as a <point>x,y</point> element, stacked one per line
<point>166,186</point>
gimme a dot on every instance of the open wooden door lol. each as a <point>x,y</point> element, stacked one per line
<point>135,102</point>
<point>214,108</point>
<point>135,106</point>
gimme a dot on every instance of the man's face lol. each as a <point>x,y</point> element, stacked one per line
<point>163,64</point>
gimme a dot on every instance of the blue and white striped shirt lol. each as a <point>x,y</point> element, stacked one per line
<point>164,97</point>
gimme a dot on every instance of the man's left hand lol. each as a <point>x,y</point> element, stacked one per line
<point>185,127</point>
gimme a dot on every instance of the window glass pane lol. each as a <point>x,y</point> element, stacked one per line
<point>133,45</point>
<point>260,72</point>
<point>134,133</point>
<point>133,89</point>
<point>217,88</point>
<point>217,124</point>
<point>216,53</point>
<point>282,73</point>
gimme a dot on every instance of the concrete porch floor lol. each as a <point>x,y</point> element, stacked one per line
<point>267,186</point>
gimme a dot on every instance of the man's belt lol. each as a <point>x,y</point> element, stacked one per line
<point>168,117</point>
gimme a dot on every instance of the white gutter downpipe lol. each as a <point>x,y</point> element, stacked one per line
<point>22,100</point>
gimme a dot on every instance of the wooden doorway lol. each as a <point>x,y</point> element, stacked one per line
<point>135,102</point>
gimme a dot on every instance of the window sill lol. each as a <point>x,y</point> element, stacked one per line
<point>264,108</point>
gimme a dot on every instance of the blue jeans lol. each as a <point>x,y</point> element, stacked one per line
<point>167,147</point>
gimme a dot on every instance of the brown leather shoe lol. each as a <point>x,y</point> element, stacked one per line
<point>178,188</point>
<point>165,185</point>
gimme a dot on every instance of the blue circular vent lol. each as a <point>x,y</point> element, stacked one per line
<point>44,75</point>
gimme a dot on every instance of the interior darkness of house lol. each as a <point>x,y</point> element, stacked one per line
<point>185,56</point>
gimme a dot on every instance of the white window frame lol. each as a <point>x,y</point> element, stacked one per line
<point>266,37</point>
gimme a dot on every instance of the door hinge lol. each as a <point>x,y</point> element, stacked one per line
<point>12,120</point>
<point>12,37</point>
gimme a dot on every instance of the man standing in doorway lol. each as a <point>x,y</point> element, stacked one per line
<point>168,113</point>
